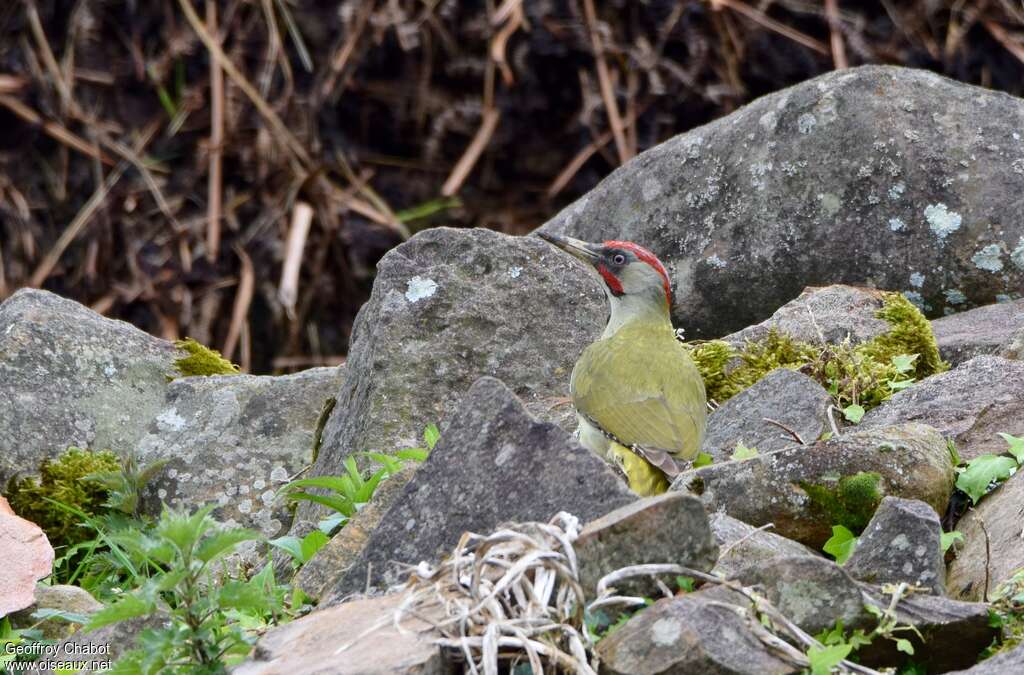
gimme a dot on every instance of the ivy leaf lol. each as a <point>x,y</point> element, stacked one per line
<point>685,584</point>
<point>904,646</point>
<point>947,539</point>
<point>703,459</point>
<point>904,363</point>
<point>841,544</point>
<point>854,413</point>
<point>743,452</point>
<point>1016,446</point>
<point>981,472</point>
<point>824,659</point>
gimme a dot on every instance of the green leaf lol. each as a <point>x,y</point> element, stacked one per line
<point>391,464</point>
<point>128,607</point>
<point>183,530</point>
<point>703,459</point>
<point>743,452</point>
<point>1016,446</point>
<point>854,413</point>
<point>431,435</point>
<point>841,544</point>
<point>342,505</point>
<point>824,659</point>
<point>224,541</point>
<point>904,363</point>
<point>311,543</point>
<point>339,484</point>
<point>63,615</point>
<point>904,646</point>
<point>413,454</point>
<point>982,471</point>
<point>241,595</point>
<point>685,583</point>
<point>947,539</point>
<point>331,523</point>
<point>291,545</point>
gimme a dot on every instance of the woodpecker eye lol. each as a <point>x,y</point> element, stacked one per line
<point>619,259</point>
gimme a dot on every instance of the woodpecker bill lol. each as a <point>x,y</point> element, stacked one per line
<point>639,398</point>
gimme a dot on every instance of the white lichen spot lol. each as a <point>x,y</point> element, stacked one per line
<point>874,199</point>
<point>650,189</point>
<point>768,121</point>
<point>172,473</point>
<point>908,567</point>
<point>279,475</point>
<point>1003,297</point>
<point>1016,136</point>
<point>830,202</point>
<point>515,271</point>
<point>666,632</point>
<point>896,191</point>
<point>1017,255</point>
<point>715,262</point>
<point>109,370</point>
<point>806,123</point>
<point>419,288</point>
<point>245,506</point>
<point>989,258</point>
<point>1017,165</point>
<point>916,299</point>
<point>410,524</point>
<point>161,493</point>
<point>243,489</point>
<point>912,135</point>
<point>917,280</point>
<point>504,454</point>
<point>897,224</point>
<point>941,220</point>
<point>259,484</point>
<point>170,420</point>
<point>954,296</point>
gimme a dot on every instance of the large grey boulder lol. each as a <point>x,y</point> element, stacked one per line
<point>992,549</point>
<point>494,463</point>
<point>785,397</point>
<point>977,332</point>
<point>854,177</point>
<point>902,543</point>
<point>741,545</point>
<point>805,490</point>
<point>970,404</point>
<point>449,306</point>
<point>234,441</point>
<point>69,377</point>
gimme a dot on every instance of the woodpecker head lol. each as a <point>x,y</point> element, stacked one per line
<point>630,272</point>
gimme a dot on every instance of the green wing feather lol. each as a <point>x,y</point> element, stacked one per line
<point>641,386</point>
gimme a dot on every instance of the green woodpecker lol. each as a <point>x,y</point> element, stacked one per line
<point>639,398</point>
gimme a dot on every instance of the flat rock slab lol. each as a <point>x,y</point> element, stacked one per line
<point>692,633</point>
<point>671,528</point>
<point>234,441</point>
<point>902,543</point>
<point>741,545</point>
<point>970,404</point>
<point>447,307</point>
<point>750,196</point>
<point>1000,664</point>
<point>982,331</point>
<point>375,646</point>
<point>70,377</point>
<point>784,396</point>
<point>989,556</point>
<point>25,557</point>
<point>494,463</point>
<point>797,488</point>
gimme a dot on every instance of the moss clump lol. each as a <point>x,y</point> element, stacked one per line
<point>63,480</point>
<point>864,373</point>
<point>201,360</point>
<point>850,502</point>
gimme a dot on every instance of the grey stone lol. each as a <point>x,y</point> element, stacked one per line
<point>71,599</point>
<point>693,633</point>
<point>494,463</point>
<point>741,545</point>
<point>991,550</point>
<point>783,395</point>
<point>670,528</point>
<point>365,627</point>
<point>902,543</point>
<point>977,332</point>
<point>234,440</point>
<point>1000,664</point>
<point>69,377</point>
<point>449,306</point>
<point>821,315</point>
<point>103,645</point>
<point>812,592</point>
<point>881,176</point>
<point>969,404</point>
<point>318,575</point>
<point>910,460</point>
<point>1014,346</point>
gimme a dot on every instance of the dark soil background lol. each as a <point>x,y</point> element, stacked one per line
<point>157,155</point>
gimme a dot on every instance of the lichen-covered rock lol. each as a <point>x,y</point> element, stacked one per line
<point>373,645</point>
<point>820,315</point>
<point>69,377</point>
<point>805,490</point>
<point>671,528</point>
<point>235,441</point>
<point>970,404</point>
<point>449,306</point>
<point>902,543</point>
<point>784,396</point>
<point>977,332</point>
<point>693,633</point>
<point>741,545</point>
<point>25,557</point>
<point>992,549</point>
<point>494,463</point>
<point>746,211</point>
<point>1014,347</point>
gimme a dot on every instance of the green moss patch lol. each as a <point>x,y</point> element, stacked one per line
<point>201,361</point>
<point>850,501</point>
